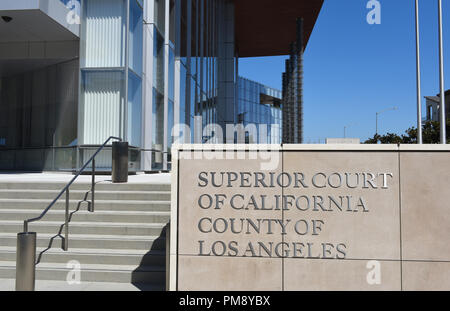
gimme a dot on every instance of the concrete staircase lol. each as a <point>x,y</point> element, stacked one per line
<point>123,241</point>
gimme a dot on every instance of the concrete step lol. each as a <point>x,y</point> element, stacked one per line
<point>100,205</point>
<point>92,256</point>
<point>101,186</point>
<point>75,227</point>
<point>85,216</point>
<point>92,241</point>
<point>86,195</point>
<point>121,242</point>
<point>92,272</point>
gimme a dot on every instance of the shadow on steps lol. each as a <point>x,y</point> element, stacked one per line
<point>150,275</point>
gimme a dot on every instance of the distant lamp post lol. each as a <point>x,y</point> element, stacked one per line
<point>346,127</point>
<point>380,112</point>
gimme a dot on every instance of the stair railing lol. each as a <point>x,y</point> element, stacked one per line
<point>26,241</point>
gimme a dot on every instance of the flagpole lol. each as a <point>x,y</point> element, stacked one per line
<point>419,99</point>
<point>441,76</point>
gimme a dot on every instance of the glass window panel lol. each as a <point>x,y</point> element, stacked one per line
<point>104,33</point>
<point>134,109</point>
<point>136,37</point>
<point>182,94</point>
<point>103,98</point>
<point>170,124</point>
<point>160,17</point>
<point>172,22</point>
<point>158,62</point>
<point>158,120</point>
<point>171,73</point>
<point>67,103</point>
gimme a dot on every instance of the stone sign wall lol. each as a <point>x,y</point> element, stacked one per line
<point>302,217</point>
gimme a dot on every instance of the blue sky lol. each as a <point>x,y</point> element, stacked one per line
<point>353,69</point>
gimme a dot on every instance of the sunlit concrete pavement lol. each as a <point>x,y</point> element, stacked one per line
<point>66,177</point>
<point>9,285</point>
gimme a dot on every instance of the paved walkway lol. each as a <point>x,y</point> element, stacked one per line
<point>55,286</point>
<point>163,178</point>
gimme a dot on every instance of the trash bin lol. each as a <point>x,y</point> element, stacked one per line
<point>120,162</point>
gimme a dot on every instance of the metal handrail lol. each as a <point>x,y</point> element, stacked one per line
<point>66,190</point>
<point>26,241</point>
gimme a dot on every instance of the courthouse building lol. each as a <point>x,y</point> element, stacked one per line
<point>316,217</point>
<point>73,73</point>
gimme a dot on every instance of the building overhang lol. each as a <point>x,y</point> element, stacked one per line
<point>35,34</point>
<point>267,27</point>
<point>36,20</point>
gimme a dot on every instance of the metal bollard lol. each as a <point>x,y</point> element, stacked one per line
<point>120,162</point>
<point>168,257</point>
<point>25,261</point>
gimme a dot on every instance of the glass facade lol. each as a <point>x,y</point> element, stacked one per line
<point>38,118</point>
<point>259,105</point>
<point>111,65</point>
<point>192,61</point>
<point>144,67</point>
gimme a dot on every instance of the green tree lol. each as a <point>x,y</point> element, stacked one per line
<point>430,135</point>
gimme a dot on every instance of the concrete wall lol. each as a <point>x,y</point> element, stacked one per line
<point>315,217</point>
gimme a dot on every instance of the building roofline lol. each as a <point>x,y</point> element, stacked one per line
<point>267,27</point>
<point>264,85</point>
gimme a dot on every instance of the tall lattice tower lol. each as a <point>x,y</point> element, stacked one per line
<point>293,91</point>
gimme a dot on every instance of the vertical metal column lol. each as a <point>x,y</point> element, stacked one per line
<point>208,63</point>
<point>419,97</point>
<point>66,224</point>
<point>441,78</point>
<point>196,75</point>
<point>166,82</point>
<point>299,95</point>
<point>177,69</point>
<point>25,261</point>
<point>214,62</point>
<point>286,104</point>
<point>201,55</point>
<point>376,124</point>
<point>189,69</point>
<point>92,209</point>
<point>147,83</point>
<point>125,135</point>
